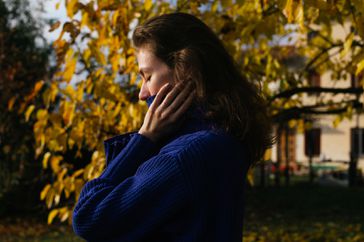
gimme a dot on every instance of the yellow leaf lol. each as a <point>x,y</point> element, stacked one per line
<point>57,5</point>
<point>250,176</point>
<point>70,142</point>
<point>115,18</point>
<point>42,114</point>
<point>44,191</point>
<point>98,54</point>
<point>67,193</point>
<point>347,45</point>
<point>116,111</point>
<point>359,67</point>
<point>29,112</point>
<point>52,215</point>
<point>69,91</point>
<point>77,173</point>
<point>287,11</point>
<point>84,19</point>
<point>293,11</point>
<point>57,198</point>
<point>38,86</point>
<point>55,163</point>
<point>337,121</point>
<point>64,213</point>
<point>88,172</point>
<point>60,178</point>
<point>87,54</point>
<point>69,69</point>
<point>80,91</point>
<point>11,103</point>
<point>45,160</point>
<point>292,123</point>
<point>214,6</point>
<point>148,5</point>
<point>49,198</point>
<point>70,6</point>
<point>299,16</point>
<point>35,91</point>
<point>68,111</point>
<point>268,154</point>
<point>54,26</point>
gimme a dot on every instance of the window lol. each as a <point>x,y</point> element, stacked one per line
<point>355,80</point>
<point>314,79</point>
<point>357,141</point>
<point>313,142</point>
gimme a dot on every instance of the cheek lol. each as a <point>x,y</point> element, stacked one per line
<point>158,81</point>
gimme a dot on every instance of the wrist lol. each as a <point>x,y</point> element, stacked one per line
<point>148,136</point>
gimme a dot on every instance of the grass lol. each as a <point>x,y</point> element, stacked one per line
<point>304,213</point>
<point>34,229</point>
<point>278,214</point>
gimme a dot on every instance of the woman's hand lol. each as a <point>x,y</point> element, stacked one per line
<point>165,114</point>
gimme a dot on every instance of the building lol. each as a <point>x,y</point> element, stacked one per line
<point>330,147</point>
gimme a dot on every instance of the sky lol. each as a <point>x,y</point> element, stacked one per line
<point>50,13</point>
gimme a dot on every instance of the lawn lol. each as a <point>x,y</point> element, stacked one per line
<point>296,213</point>
<point>304,213</point>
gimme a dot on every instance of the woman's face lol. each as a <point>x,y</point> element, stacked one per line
<point>153,71</point>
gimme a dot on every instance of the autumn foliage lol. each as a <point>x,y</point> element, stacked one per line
<point>96,83</point>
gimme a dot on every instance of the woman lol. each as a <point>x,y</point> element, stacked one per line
<point>181,176</point>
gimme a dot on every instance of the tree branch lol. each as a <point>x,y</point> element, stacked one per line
<point>323,51</point>
<point>300,112</point>
<point>291,92</point>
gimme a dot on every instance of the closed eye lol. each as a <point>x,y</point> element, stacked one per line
<point>139,76</point>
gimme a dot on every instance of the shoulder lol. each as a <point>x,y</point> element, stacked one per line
<point>202,142</point>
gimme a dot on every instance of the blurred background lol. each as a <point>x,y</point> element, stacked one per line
<point>68,81</point>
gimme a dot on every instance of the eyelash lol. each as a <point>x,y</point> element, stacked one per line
<point>142,77</point>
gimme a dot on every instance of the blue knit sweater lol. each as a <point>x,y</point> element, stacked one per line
<point>188,188</point>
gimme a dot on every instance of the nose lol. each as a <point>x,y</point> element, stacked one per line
<point>144,93</point>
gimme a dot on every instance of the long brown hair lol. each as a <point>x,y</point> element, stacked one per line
<point>190,48</point>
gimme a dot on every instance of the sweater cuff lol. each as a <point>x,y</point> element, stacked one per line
<point>115,145</point>
<point>139,149</point>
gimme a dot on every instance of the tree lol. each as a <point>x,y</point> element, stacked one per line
<point>23,62</point>
<point>97,84</point>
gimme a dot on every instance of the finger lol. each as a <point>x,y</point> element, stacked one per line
<point>186,104</point>
<point>180,98</point>
<point>173,94</point>
<point>160,96</point>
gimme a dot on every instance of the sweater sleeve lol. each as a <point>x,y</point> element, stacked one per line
<point>130,206</point>
<point>137,150</point>
<point>114,145</point>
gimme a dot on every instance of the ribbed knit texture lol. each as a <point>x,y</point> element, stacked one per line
<point>190,187</point>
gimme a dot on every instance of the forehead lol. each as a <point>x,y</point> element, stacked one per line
<point>148,61</point>
<point>145,56</point>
